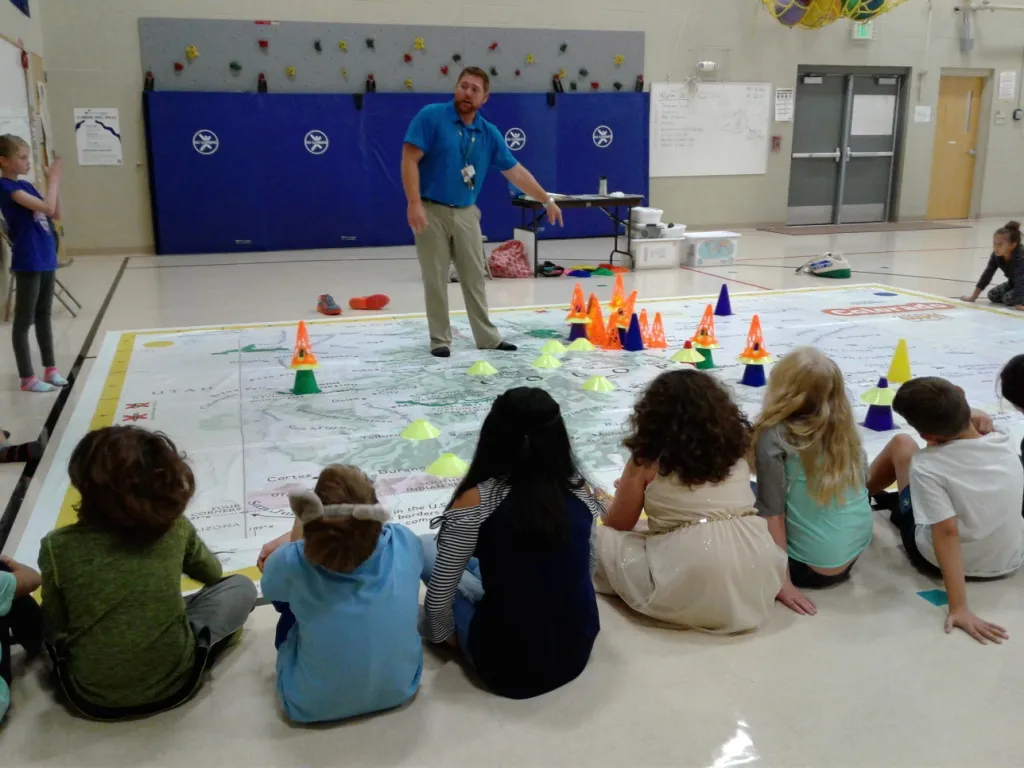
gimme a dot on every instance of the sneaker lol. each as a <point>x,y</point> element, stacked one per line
<point>326,305</point>
<point>32,384</point>
<point>375,302</point>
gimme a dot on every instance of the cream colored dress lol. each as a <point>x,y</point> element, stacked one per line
<point>706,561</point>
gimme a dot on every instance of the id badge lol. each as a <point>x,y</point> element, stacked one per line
<point>468,174</point>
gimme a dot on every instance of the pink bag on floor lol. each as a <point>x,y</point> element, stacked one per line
<point>510,260</point>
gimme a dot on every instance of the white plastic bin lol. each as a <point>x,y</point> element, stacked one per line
<point>657,254</point>
<point>709,249</point>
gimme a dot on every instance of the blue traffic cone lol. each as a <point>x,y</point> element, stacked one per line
<point>577,331</point>
<point>753,375</point>
<point>634,341</point>
<point>724,307</point>
<point>879,418</point>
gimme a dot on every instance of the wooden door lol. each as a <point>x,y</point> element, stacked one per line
<point>956,142</point>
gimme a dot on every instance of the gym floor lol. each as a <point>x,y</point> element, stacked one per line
<point>871,680</point>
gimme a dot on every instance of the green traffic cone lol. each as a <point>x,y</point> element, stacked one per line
<point>708,362</point>
<point>305,383</point>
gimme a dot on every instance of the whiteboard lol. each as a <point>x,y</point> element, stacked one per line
<point>14,111</point>
<point>709,129</point>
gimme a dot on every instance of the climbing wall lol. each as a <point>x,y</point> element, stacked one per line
<point>315,57</point>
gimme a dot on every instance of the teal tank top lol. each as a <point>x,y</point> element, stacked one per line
<point>825,536</point>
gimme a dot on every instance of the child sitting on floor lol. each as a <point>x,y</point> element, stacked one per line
<point>20,621</point>
<point>705,560</point>
<point>124,640</point>
<point>509,573</point>
<point>1008,256</point>
<point>347,587</point>
<point>960,497</point>
<point>1011,386</point>
<point>811,470</point>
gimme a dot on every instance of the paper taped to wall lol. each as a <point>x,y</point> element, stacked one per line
<point>98,136</point>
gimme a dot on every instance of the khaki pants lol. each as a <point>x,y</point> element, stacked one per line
<point>453,234</point>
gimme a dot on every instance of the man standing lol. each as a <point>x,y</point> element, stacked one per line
<point>447,152</point>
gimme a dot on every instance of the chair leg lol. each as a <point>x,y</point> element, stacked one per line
<point>68,293</point>
<point>67,306</point>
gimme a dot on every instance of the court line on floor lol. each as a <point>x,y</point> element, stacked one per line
<point>864,272</point>
<point>10,513</point>
<point>730,279</point>
<point>867,253</point>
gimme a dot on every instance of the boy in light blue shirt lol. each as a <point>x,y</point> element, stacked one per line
<point>347,587</point>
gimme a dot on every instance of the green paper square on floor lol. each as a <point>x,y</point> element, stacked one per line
<point>935,596</point>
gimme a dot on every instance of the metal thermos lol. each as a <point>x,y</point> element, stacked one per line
<point>602,185</point>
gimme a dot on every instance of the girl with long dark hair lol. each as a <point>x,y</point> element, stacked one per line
<point>509,573</point>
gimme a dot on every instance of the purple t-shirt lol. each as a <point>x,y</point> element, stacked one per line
<point>35,250</point>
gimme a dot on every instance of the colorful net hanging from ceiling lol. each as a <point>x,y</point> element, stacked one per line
<point>814,14</point>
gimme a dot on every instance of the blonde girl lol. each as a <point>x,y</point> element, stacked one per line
<point>811,474</point>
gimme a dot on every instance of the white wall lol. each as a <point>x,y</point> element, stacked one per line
<point>92,55</point>
<point>15,25</point>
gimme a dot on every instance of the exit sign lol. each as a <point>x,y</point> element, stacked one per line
<point>863,30</point>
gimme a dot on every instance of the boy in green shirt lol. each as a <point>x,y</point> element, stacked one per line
<point>127,643</point>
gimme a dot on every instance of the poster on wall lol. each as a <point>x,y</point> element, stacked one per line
<point>783,105</point>
<point>98,136</point>
<point>21,5</point>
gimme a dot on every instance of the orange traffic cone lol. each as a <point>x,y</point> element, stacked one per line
<point>755,352</point>
<point>612,341</point>
<point>303,357</point>
<point>596,330</point>
<point>625,312</point>
<point>591,303</point>
<point>618,293</point>
<point>577,309</point>
<point>705,335</point>
<point>645,329</point>
<point>657,338</point>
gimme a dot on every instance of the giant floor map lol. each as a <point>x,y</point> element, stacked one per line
<point>223,394</point>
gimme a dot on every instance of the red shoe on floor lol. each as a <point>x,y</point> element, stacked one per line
<point>326,305</point>
<point>375,302</point>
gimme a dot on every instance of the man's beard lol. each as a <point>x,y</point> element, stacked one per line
<point>464,107</point>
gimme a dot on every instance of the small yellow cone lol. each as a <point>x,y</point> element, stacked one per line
<point>581,345</point>
<point>547,361</point>
<point>481,368</point>
<point>448,465</point>
<point>421,430</point>
<point>598,384</point>
<point>899,369</point>
<point>553,347</point>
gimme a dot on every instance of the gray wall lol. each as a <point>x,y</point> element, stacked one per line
<point>333,70</point>
<point>94,58</point>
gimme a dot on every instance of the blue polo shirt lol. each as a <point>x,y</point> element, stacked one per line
<point>448,146</point>
<point>34,250</point>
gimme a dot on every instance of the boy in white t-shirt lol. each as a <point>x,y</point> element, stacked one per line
<point>960,496</point>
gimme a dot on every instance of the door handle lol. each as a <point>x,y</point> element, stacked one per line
<point>972,152</point>
<point>817,155</point>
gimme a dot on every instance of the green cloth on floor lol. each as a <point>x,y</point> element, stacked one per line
<point>116,612</point>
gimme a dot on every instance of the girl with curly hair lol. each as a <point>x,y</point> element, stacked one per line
<point>124,641</point>
<point>811,472</point>
<point>704,560</point>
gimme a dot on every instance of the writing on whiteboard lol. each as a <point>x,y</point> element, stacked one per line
<point>713,129</point>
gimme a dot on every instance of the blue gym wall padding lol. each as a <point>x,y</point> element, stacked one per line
<point>261,189</point>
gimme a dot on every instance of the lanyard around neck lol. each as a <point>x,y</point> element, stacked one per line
<point>466,150</point>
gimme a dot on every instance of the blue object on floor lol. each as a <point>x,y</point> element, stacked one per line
<point>578,273</point>
<point>935,596</point>
<point>634,340</point>
<point>879,418</point>
<point>724,307</point>
<point>753,375</point>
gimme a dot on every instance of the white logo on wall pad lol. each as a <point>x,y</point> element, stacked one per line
<point>603,136</point>
<point>515,139</point>
<point>205,142</point>
<point>317,142</point>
